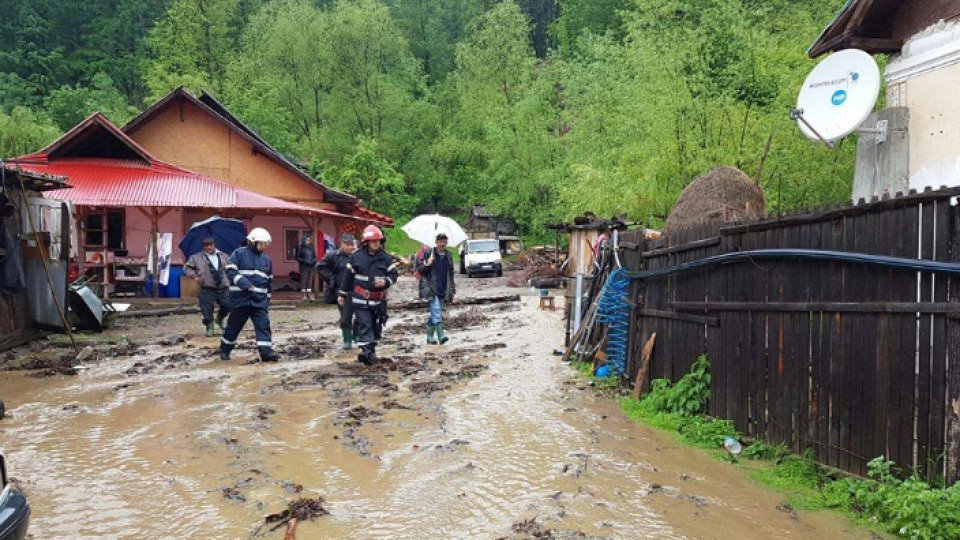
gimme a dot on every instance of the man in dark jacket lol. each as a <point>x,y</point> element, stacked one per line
<point>364,284</point>
<point>209,269</point>
<point>250,272</point>
<point>307,259</point>
<point>331,269</point>
<point>437,287</point>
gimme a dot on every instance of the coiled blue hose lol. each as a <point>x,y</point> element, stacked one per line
<point>614,311</point>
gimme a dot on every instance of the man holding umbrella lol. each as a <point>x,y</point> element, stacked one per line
<point>369,274</point>
<point>209,269</point>
<point>437,287</point>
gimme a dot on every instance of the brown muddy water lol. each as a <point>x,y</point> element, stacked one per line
<point>489,436</point>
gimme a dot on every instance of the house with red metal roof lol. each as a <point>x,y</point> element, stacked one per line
<point>200,134</point>
<point>124,197</point>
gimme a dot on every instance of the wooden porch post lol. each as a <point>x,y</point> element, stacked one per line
<point>154,230</point>
<point>154,216</point>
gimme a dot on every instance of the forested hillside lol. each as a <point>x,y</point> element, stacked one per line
<point>539,108</point>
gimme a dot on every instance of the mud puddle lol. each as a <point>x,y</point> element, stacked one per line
<point>480,438</point>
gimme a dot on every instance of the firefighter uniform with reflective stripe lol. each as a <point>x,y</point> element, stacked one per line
<point>358,286</point>
<point>250,272</point>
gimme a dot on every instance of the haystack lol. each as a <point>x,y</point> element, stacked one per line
<point>724,194</point>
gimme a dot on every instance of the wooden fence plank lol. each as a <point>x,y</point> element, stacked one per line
<point>925,323</point>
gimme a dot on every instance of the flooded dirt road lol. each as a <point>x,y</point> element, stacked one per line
<point>489,436</point>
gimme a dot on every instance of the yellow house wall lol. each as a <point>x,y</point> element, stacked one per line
<point>934,128</point>
<point>203,144</point>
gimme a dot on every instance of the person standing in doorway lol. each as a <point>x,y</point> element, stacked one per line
<point>437,287</point>
<point>307,260</point>
<point>208,268</point>
<point>331,269</point>
<point>369,274</point>
<point>250,273</point>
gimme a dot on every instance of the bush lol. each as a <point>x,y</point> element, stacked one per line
<point>910,507</point>
<point>687,397</point>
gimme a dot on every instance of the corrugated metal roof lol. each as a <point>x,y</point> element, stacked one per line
<point>132,183</point>
<point>366,214</point>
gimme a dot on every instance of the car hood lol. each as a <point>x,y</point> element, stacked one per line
<point>483,258</point>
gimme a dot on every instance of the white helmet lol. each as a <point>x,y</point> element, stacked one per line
<point>259,235</point>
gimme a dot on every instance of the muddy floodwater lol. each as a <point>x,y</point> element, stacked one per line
<point>489,436</point>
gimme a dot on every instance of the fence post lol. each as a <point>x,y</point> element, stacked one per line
<point>953,359</point>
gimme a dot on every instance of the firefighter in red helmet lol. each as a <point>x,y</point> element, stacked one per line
<point>370,272</point>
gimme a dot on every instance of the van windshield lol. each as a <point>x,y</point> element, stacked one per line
<point>486,246</point>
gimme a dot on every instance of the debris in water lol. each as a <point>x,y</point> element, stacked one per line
<point>529,528</point>
<point>453,445</point>
<point>300,509</point>
<point>233,494</point>
<point>264,411</point>
<point>291,487</point>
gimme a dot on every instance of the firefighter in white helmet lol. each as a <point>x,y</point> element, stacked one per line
<point>250,272</point>
<point>364,284</point>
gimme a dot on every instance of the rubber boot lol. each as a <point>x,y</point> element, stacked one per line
<point>431,334</point>
<point>368,355</point>
<point>221,322</point>
<point>211,331</point>
<point>306,296</point>
<point>347,339</point>
<point>268,355</point>
<point>440,335</point>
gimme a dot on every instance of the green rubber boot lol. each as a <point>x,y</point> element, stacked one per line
<point>440,335</point>
<point>211,331</point>
<point>347,339</point>
<point>220,322</point>
<point>431,333</point>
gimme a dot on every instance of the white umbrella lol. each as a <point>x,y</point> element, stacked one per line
<point>425,228</point>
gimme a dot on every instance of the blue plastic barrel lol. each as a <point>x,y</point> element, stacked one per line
<point>172,288</point>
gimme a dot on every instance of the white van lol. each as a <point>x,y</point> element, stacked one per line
<point>481,257</point>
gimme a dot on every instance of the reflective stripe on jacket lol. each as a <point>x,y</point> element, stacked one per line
<point>250,273</point>
<point>363,270</point>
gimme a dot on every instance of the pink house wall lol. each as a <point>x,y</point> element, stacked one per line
<point>137,234</point>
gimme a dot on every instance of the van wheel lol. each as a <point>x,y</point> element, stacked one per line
<point>500,273</point>
<point>469,275</point>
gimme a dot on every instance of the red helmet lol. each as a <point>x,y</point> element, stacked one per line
<point>372,232</point>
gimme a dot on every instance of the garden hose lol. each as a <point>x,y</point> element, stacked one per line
<point>614,311</point>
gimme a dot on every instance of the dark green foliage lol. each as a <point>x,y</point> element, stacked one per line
<point>686,397</point>
<point>541,109</point>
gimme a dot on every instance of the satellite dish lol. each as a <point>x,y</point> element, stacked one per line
<point>838,95</point>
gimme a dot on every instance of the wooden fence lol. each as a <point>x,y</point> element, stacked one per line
<point>853,361</point>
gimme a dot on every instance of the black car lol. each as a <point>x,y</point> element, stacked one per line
<point>14,510</point>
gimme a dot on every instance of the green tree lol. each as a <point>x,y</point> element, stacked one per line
<point>508,124</point>
<point>23,131</point>
<point>192,46</point>
<point>370,176</point>
<point>68,105</point>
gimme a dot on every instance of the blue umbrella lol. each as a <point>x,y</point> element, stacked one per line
<point>227,235</point>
